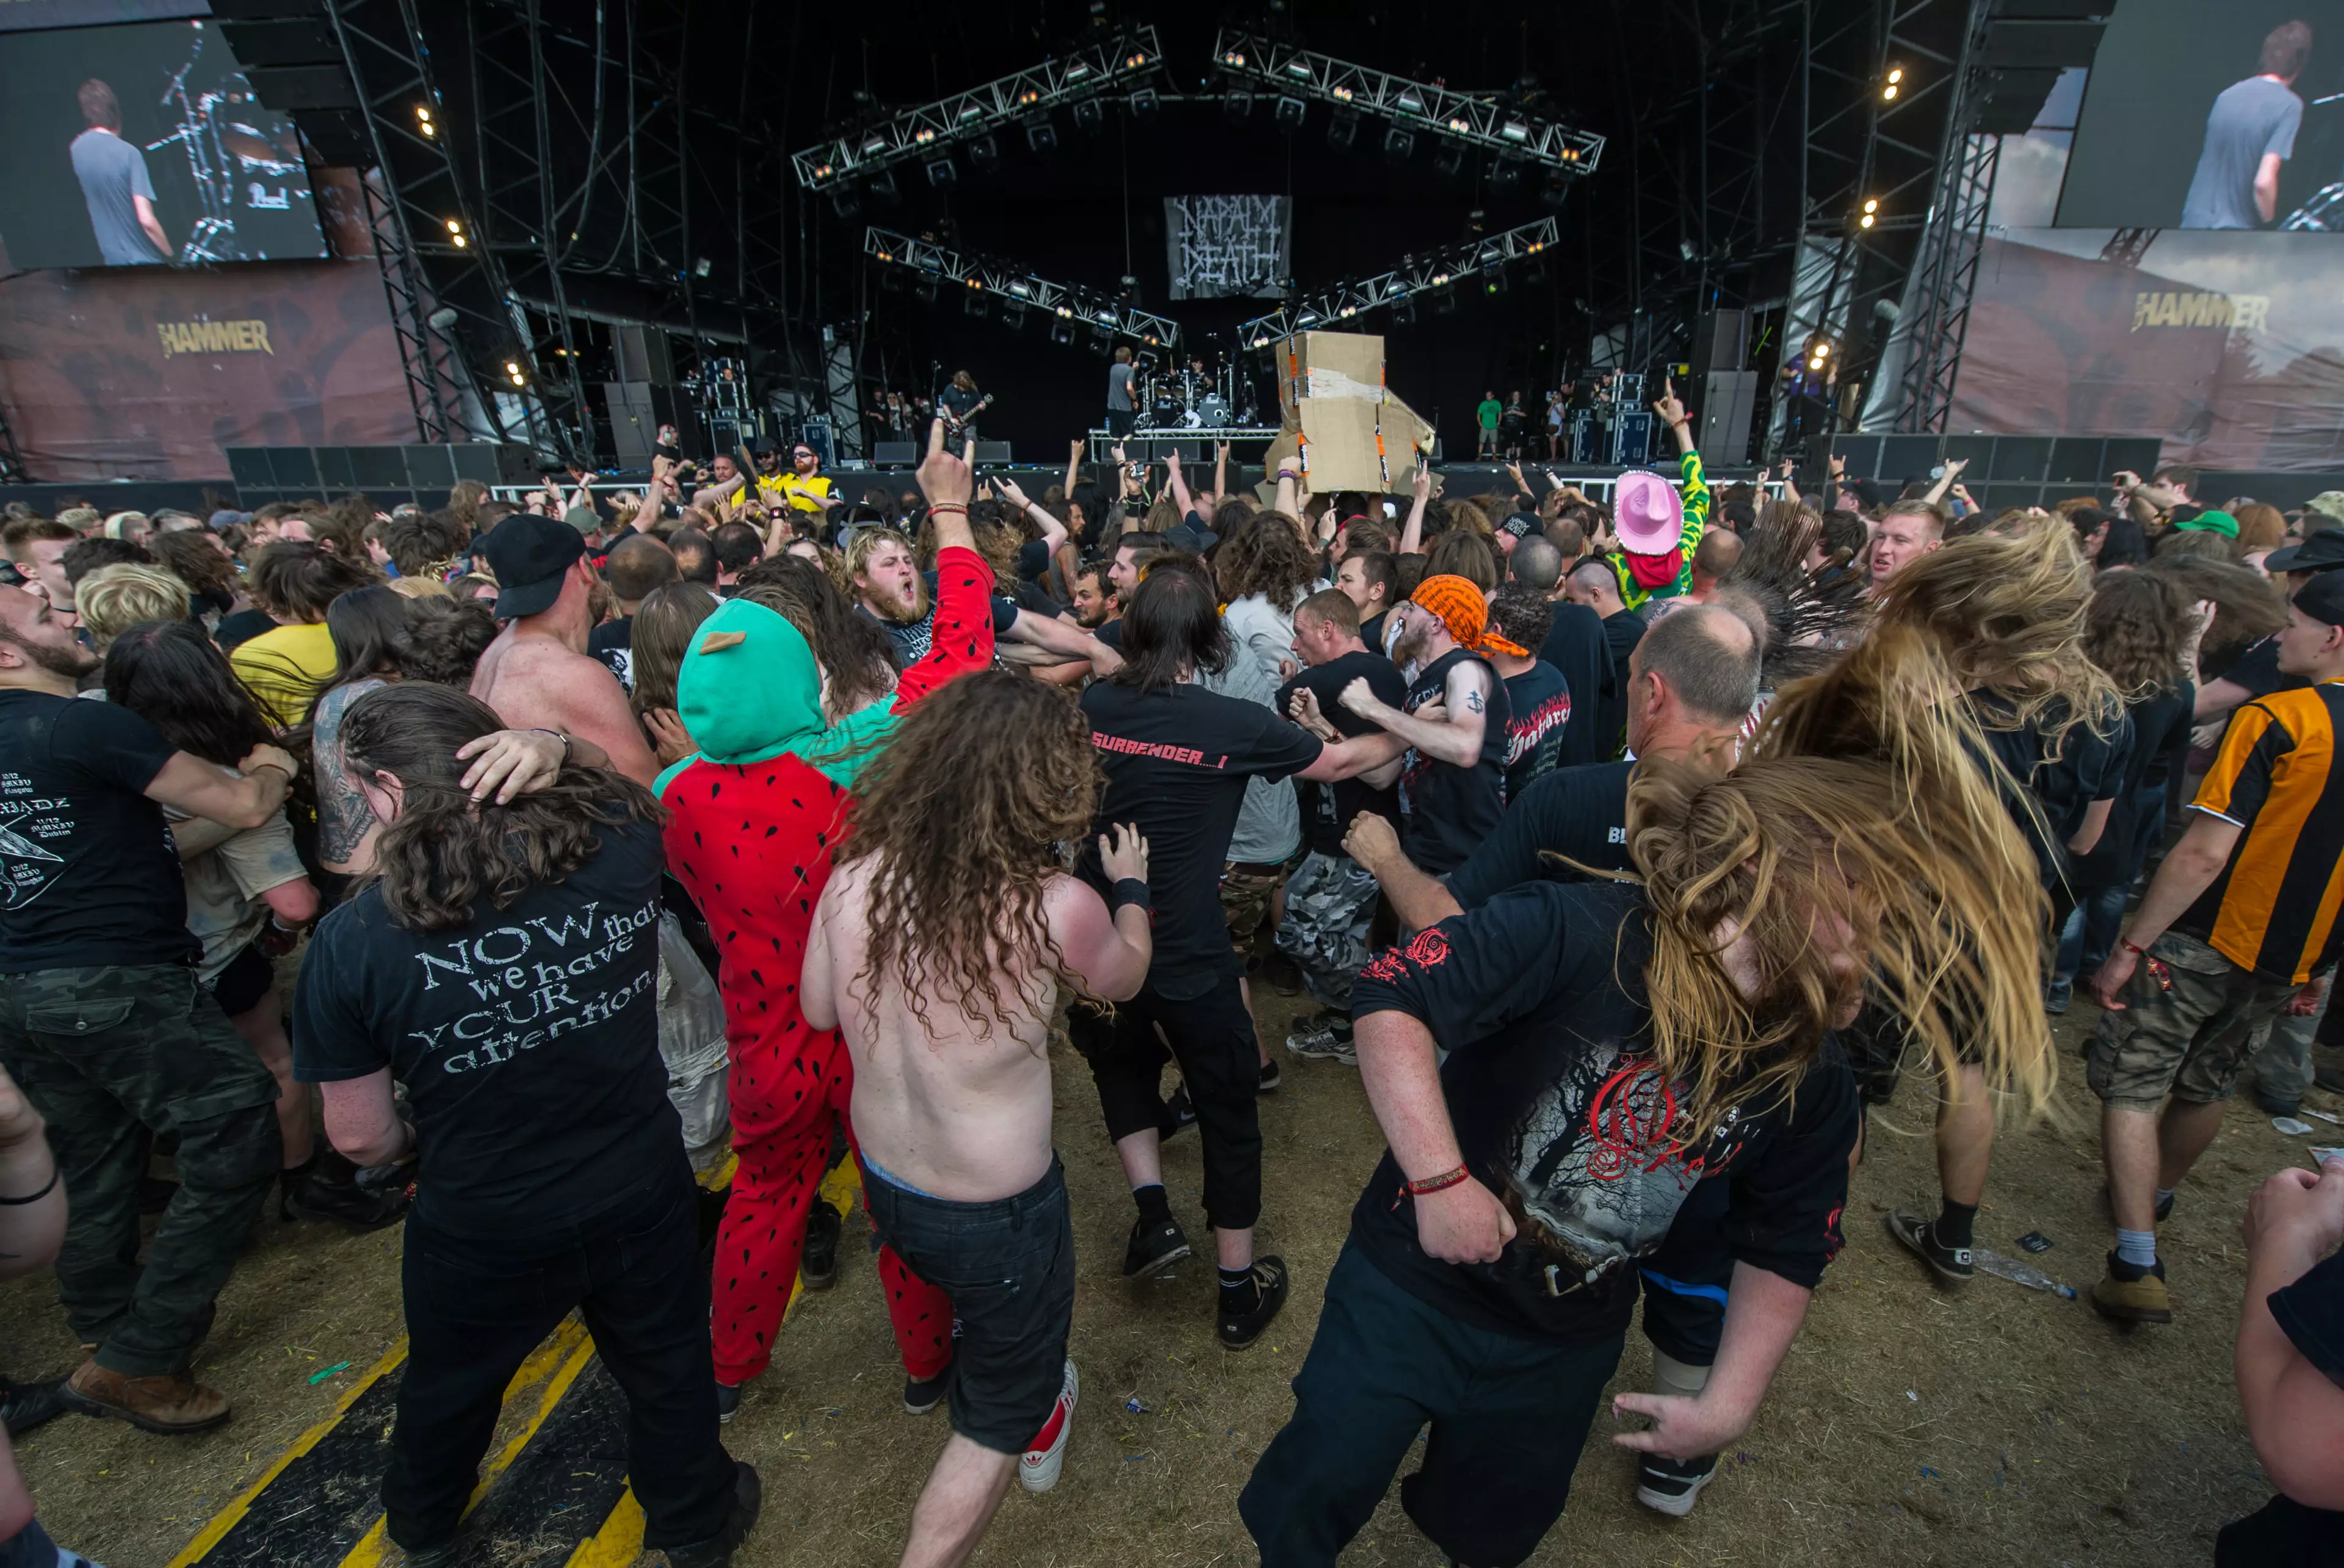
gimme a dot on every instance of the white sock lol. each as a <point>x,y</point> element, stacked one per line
<point>2138,1248</point>
<point>1671,1376</point>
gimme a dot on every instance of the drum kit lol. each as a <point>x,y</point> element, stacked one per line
<point>1189,398</point>
<point>232,161</point>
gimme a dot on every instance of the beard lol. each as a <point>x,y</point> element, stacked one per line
<point>70,658</point>
<point>903,607</point>
<point>1410,649</point>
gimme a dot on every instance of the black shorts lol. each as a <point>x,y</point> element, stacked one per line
<point>247,979</point>
<point>1009,1269</point>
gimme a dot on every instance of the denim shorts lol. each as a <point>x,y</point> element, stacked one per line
<point>1008,1267</point>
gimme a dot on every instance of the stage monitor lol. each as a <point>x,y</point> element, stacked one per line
<point>142,143</point>
<point>2191,105</point>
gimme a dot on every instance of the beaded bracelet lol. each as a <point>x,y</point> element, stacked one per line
<point>1447,1179</point>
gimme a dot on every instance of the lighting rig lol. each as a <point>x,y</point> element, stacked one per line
<point>1290,77</point>
<point>987,284</point>
<point>927,135</point>
<point>1435,273</point>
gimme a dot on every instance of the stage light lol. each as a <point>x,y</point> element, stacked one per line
<point>925,288</point>
<point>846,200</point>
<point>1449,159</point>
<point>1444,302</point>
<point>1142,105</point>
<point>1685,249</point>
<point>942,171</point>
<point>985,154</point>
<point>1101,342</point>
<point>1871,212</point>
<point>442,319</point>
<point>1557,189</point>
<point>1506,174</point>
<point>883,191</point>
<point>1062,333</point>
<point>1893,85</point>
<point>1288,112</point>
<point>1495,281</point>
<point>456,233</point>
<point>423,121</point>
<point>974,303</point>
<point>700,267</point>
<point>1013,314</point>
<point>1343,129</point>
<point>1087,114</point>
<point>1399,145</point>
<point>1298,69</point>
<point>1042,137</point>
<point>1403,311</point>
<point>1237,104</point>
<point>892,280</point>
<point>513,372</point>
<point>874,146</point>
<point>1515,131</point>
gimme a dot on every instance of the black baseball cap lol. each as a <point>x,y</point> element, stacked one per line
<point>1520,525</point>
<point>2322,598</point>
<point>2323,552</point>
<point>529,554</point>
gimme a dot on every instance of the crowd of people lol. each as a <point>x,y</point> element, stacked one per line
<point>1628,848</point>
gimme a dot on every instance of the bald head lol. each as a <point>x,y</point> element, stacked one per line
<point>1706,658</point>
<point>1718,553</point>
<point>1536,563</point>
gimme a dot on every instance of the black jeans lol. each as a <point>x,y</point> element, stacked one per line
<point>110,1057</point>
<point>1009,1267</point>
<point>476,1308</point>
<point>1213,1040</point>
<point>1509,1418</point>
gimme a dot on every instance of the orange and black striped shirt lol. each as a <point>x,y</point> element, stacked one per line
<point>2273,910</point>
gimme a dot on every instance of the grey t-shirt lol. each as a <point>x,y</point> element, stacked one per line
<point>2250,119</point>
<point>112,172</point>
<point>1119,387</point>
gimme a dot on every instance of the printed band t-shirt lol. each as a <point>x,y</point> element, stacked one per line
<point>1452,809</point>
<point>87,875</point>
<point>528,1039</point>
<point>1578,813</point>
<point>1538,997</point>
<point>1539,710</point>
<point>1176,764</point>
<point>1329,809</point>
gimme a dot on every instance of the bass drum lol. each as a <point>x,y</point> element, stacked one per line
<point>1214,411</point>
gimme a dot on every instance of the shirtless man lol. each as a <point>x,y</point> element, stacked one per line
<point>538,675</point>
<point>939,947</point>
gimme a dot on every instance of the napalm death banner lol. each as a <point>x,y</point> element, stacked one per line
<point>1227,247</point>
<point>2227,345</point>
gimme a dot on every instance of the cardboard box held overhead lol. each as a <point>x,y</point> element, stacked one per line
<point>1348,430</point>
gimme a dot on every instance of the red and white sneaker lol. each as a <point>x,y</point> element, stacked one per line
<point>1038,1470</point>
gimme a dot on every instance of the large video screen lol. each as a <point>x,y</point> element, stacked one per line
<point>2210,113</point>
<point>133,145</point>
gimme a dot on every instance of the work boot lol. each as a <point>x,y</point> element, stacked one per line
<point>24,1406</point>
<point>313,1190</point>
<point>716,1551</point>
<point>170,1402</point>
<point>2133,1294</point>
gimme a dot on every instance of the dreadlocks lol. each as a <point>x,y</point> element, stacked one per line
<point>1858,842</point>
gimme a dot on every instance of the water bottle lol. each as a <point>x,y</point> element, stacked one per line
<point>2019,1273</point>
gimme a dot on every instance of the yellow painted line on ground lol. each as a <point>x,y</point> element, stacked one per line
<point>719,1175</point>
<point>566,1351</point>
<point>242,1505</point>
<point>620,1541</point>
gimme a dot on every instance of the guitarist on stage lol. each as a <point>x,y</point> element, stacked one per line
<point>960,405</point>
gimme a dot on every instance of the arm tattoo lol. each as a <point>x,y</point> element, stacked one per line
<point>1474,700</point>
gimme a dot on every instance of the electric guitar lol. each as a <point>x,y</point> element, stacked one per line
<point>956,423</point>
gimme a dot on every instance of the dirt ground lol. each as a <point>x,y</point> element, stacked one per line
<point>1911,1422</point>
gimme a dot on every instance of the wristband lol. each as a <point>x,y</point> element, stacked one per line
<point>1446,1179</point>
<point>2130,946</point>
<point>948,505</point>
<point>558,735</point>
<point>55,1174</point>
<point>1128,890</point>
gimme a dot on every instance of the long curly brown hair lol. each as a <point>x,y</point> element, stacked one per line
<point>966,816</point>
<point>2135,629</point>
<point>1267,558</point>
<point>443,857</point>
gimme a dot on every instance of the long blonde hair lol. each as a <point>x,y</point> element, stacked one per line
<point>1859,805</point>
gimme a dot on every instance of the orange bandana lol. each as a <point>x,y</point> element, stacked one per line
<point>1465,612</point>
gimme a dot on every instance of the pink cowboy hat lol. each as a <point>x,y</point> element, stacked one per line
<point>1647,514</point>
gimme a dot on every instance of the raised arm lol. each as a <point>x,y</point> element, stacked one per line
<point>1411,533</point>
<point>963,637</point>
<point>1075,463</point>
<point>1221,470</point>
<point>1180,496</point>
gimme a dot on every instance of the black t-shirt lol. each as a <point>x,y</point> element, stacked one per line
<point>613,643</point>
<point>1581,813</point>
<point>1176,764</point>
<point>1537,703</point>
<point>1328,809</point>
<point>1622,633</point>
<point>1578,647</point>
<point>1033,559</point>
<point>2311,1312</point>
<point>527,1040</point>
<point>1452,809</point>
<point>2056,793</point>
<point>241,627</point>
<point>2257,671</point>
<point>87,875</point>
<point>1371,631</point>
<point>1539,998</point>
<point>2154,760</point>
<point>960,402</point>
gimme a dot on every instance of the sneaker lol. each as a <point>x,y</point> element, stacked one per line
<point>24,1406</point>
<point>716,1551</point>
<point>2057,994</point>
<point>1039,1467</point>
<point>1156,1246</point>
<point>920,1398</point>
<point>1949,1263</point>
<point>728,1401</point>
<point>2273,1106</point>
<point>818,1263</point>
<point>1180,1114</point>
<point>1315,1039</point>
<point>1240,1329</point>
<point>2131,1294</point>
<point>441,1556</point>
<point>312,1191</point>
<point>171,1403</point>
<point>1671,1486</point>
<point>1270,1078</point>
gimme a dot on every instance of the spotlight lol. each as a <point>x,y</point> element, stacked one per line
<point>942,171</point>
<point>1288,112</point>
<point>846,200</point>
<point>1103,341</point>
<point>1495,281</point>
<point>442,319</point>
<point>925,288</point>
<point>1062,332</point>
<point>1557,189</point>
<point>985,154</point>
<point>892,280</point>
<point>1403,311</point>
<point>883,191</point>
<point>1400,144</point>
<point>1506,173</point>
<point>1894,85</point>
<point>1444,302</point>
<point>1013,314</point>
<point>1870,214</point>
<point>1087,114</point>
<point>1237,104</point>
<point>1142,105</point>
<point>1343,129</point>
<point>700,267</point>
<point>974,303</point>
<point>423,121</point>
<point>1685,249</point>
<point>1042,137</point>
<point>1449,159</point>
